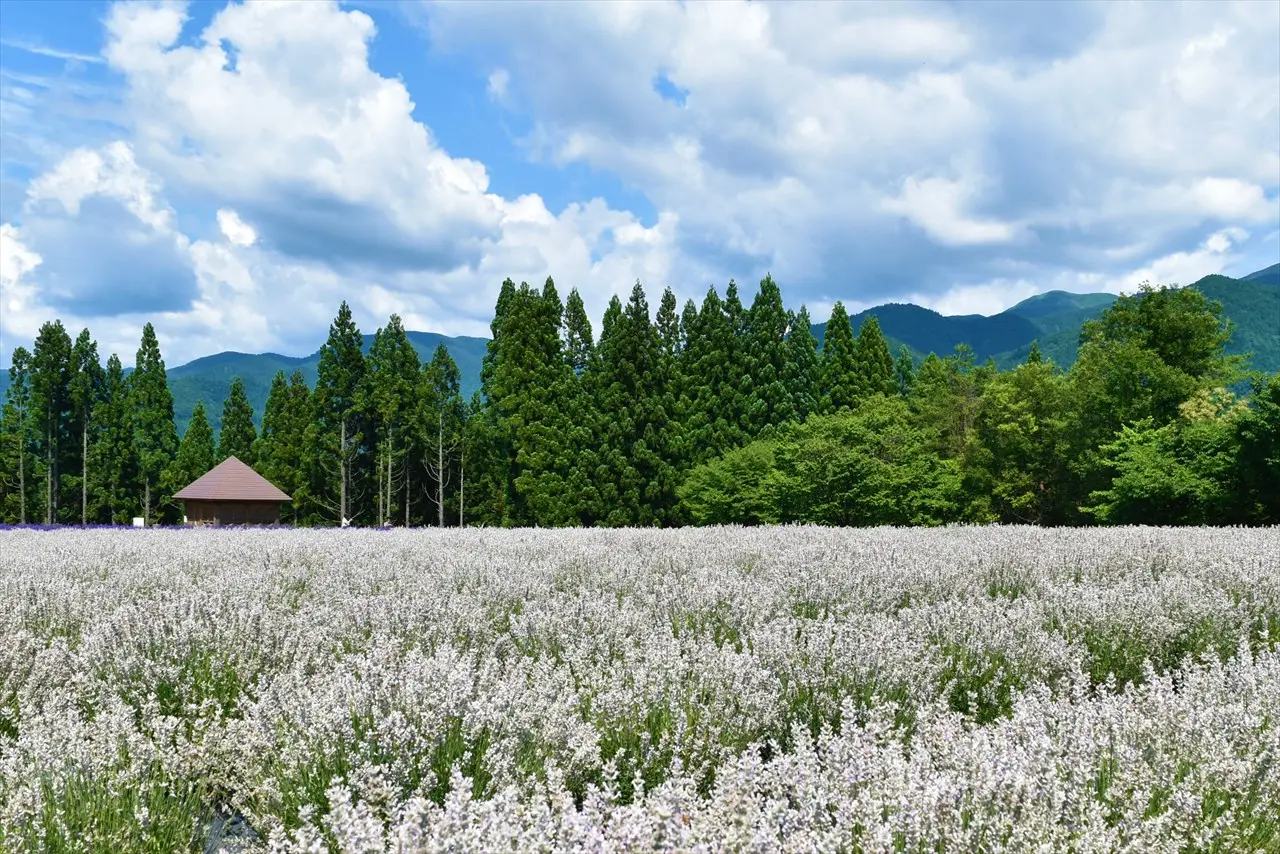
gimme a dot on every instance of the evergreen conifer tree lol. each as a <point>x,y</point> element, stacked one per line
<point>904,371</point>
<point>15,430</point>
<point>51,409</point>
<point>875,363</point>
<point>238,433</point>
<point>336,434</point>
<point>579,346</point>
<point>637,445</point>
<point>155,438</point>
<point>840,380</point>
<point>442,418</point>
<point>391,385</point>
<point>803,375</point>
<point>279,451</point>
<point>114,461</point>
<point>87,388</point>
<point>770,402</point>
<point>196,453</point>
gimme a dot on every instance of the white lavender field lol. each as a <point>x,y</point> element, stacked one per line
<point>775,689</point>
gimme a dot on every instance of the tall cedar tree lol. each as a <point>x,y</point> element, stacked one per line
<point>711,365</point>
<point>638,479</point>
<point>336,435</point>
<point>492,452</point>
<point>875,363</point>
<point>769,401</point>
<point>116,477</point>
<point>738,390</point>
<point>582,422</point>
<point>672,378</point>
<point>238,434</point>
<point>51,408</point>
<point>155,437</point>
<point>390,391</point>
<point>87,386</point>
<point>803,375</point>
<point>579,345</point>
<point>840,385</point>
<point>16,451</point>
<point>279,452</point>
<point>531,368</point>
<point>196,452</point>
<point>440,419</point>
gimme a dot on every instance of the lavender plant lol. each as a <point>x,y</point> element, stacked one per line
<point>724,689</point>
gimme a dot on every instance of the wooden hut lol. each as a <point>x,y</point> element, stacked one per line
<point>231,493</point>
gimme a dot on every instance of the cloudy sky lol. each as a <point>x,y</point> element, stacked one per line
<point>232,172</point>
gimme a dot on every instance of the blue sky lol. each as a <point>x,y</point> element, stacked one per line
<point>232,172</point>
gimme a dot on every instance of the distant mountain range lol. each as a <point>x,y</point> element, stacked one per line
<point>209,377</point>
<point>1053,319</point>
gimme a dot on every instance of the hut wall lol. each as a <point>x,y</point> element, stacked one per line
<point>232,512</point>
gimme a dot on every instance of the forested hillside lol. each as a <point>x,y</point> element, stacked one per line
<point>1052,320</point>
<point>710,413</point>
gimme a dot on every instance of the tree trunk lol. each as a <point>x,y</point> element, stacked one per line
<point>440,472</point>
<point>406,493</point>
<point>22,471</point>
<point>84,472</point>
<point>342,474</point>
<point>146,501</point>
<point>48,476</point>
<point>462,485</point>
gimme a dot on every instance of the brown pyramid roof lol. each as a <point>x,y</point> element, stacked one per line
<point>232,480</point>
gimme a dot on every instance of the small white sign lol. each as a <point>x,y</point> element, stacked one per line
<point>139,522</point>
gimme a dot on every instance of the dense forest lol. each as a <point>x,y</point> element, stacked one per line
<point>718,413</point>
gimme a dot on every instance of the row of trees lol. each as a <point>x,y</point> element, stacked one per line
<point>701,414</point>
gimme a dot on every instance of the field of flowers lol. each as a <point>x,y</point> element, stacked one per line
<point>725,689</point>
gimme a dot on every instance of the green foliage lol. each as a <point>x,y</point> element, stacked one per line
<point>155,438</point>
<point>803,372</point>
<point>870,466</point>
<point>238,433</point>
<point>17,473</point>
<point>388,400</point>
<point>83,812</point>
<point>875,369</point>
<point>768,354</point>
<point>86,390</point>
<point>51,409</point>
<point>567,433</point>
<point>1017,459</point>
<point>1177,474</point>
<point>113,463</point>
<point>196,453</point>
<point>335,464</point>
<point>635,477</point>
<point>840,377</point>
<point>712,395</point>
<point>904,372</point>
<point>1182,327</point>
<point>279,452</point>
<point>1258,435</point>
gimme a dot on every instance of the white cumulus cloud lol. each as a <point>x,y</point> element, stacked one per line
<point>235,229</point>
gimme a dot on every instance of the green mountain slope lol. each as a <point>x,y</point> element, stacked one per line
<point>1269,276</point>
<point>924,330</point>
<point>208,378</point>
